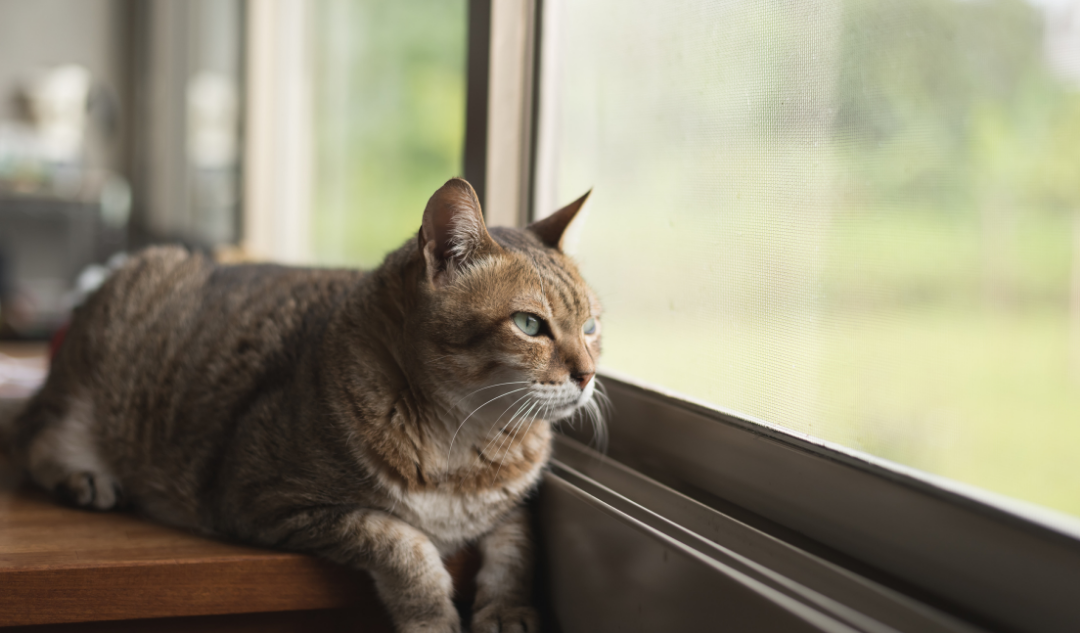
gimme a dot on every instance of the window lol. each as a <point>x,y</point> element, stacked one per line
<point>854,220</point>
<point>837,245</point>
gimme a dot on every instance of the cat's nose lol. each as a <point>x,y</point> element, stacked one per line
<point>582,378</point>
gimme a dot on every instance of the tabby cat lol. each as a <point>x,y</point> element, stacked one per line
<point>383,420</point>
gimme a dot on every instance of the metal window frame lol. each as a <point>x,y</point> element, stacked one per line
<point>988,560</point>
<point>499,111</point>
<point>605,521</point>
<point>917,552</point>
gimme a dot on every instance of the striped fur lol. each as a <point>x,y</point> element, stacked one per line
<point>381,420</point>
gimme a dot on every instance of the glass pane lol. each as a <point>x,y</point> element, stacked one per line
<point>389,119</point>
<point>858,220</point>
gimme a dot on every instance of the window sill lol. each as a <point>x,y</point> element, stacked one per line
<point>976,563</point>
<point>60,565</point>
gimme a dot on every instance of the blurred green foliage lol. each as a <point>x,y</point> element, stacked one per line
<point>389,112</point>
<point>855,219</point>
<point>968,82</point>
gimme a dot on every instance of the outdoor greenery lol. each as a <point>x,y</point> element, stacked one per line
<point>858,220</point>
<point>389,117</point>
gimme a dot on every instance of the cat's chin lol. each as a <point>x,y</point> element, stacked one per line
<point>562,413</point>
<point>567,411</point>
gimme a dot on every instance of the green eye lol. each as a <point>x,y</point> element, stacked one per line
<point>590,326</point>
<point>528,323</point>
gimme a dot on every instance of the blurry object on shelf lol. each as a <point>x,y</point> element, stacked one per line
<point>20,377</point>
<point>56,147</point>
<point>45,243</point>
<point>60,208</point>
<point>57,102</point>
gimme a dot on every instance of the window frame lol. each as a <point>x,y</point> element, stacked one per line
<point>990,560</point>
<point>983,557</point>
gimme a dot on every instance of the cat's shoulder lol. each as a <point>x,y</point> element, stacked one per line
<point>175,268</point>
<point>157,261</point>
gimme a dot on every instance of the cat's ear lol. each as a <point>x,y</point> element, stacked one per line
<point>453,230</point>
<point>551,229</point>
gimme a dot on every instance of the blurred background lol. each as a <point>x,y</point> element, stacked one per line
<point>303,131</point>
<point>857,220</point>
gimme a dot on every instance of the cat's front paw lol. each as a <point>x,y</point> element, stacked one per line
<point>446,620</point>
<point>503,618</point>
<point>432,626</point>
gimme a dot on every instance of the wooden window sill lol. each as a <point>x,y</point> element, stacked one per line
<point>63,565</point>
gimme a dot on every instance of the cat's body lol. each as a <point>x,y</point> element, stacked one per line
<point>381,420</point>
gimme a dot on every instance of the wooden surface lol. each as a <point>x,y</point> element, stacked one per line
<point>323,621</point>
<point>63,565</point>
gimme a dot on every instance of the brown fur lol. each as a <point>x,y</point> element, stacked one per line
<point>360,417</point>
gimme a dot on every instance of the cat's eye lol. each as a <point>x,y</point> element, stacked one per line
<point>590,326</point>
<point>528,323</point>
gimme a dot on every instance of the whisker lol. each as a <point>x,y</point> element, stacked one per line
<point>599,428</point>
<point>603,410</point>
<point>501,384</point>
<point>604,400</point>
<point>510,444</point>
<point>498,419</point>
<point>517,427</point>
<point>501,438</point>
<point>508,441</point>
<point>471,415</point>
<point>498,435</point>
<point>544,409</point>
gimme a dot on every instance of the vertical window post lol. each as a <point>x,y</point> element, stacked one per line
<point>498,131</point>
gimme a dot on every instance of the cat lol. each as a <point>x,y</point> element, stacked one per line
<point>382,420</point>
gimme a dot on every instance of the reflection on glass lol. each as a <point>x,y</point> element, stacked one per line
<point>858,220</point>
<point>389,120</point>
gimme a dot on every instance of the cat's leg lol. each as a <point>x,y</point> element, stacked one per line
<point>409,574</point>
<point>62,456</point>
<point>504,583</point>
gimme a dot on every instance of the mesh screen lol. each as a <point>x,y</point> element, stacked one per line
<point>858,220</point>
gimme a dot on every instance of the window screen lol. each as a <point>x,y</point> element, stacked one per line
<point>858,220</point>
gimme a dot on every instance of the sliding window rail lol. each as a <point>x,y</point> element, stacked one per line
<point>994,562</point>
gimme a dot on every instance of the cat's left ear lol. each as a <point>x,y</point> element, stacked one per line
<point>453,231</point>
<point>551,229</point>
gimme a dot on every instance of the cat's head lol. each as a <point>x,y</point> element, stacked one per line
<point>507,317</point>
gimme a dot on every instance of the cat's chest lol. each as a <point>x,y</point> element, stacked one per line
<point>453,517</point>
